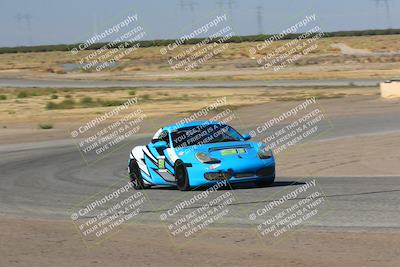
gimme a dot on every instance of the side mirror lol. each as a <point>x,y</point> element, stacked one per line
<point>246,136</point>
<point>160,145</point>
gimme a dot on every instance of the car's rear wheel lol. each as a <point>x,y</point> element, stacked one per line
<point>136,177</point>
<point>181,176</point>
<point>265,182</point>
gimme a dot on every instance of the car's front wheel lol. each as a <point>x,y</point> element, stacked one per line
<point>181,176</point>
<point>136,177</point>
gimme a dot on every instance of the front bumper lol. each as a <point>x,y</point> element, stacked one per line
<point>209,174</point>
<point>268,171</point>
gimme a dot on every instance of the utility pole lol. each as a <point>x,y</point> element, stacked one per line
<point>24,20</point>
<point>259,11</point>
<point>387,8</point>
<point>191,5</point>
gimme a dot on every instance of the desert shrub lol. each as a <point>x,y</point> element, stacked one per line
<point>86,101</point>
<point>45,126</point>
<point>146,97</point>
<point>22,94</point>
<point>109,103</point>
<point>65,104</point>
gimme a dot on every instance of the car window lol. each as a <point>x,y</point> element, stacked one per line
<point>204,134</point>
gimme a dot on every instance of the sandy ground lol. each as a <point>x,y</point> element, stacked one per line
<point>56,243</point>
<point>334,58</point>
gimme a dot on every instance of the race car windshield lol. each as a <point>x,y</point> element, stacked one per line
<point>204,134</point>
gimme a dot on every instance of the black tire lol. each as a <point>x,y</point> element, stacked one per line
<point>181,176</point>
<point>136,177</point>
<point>265,182</point>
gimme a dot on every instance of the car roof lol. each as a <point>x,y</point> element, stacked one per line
<point>179,125</point>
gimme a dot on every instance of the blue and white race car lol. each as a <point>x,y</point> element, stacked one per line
<point>201,153</point>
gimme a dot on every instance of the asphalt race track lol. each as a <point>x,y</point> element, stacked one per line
<point>45,180</point>
<point>4,82</point>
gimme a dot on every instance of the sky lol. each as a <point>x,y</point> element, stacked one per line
<point>41,22</point>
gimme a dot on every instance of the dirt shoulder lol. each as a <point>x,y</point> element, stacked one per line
<point>24,113</point>
<point>331,58</point>
<point>49,243</point>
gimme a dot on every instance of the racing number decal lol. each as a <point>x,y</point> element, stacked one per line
<point>161,162</point>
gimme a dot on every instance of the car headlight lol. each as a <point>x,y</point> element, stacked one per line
<point>204,158</point>
<point>264,153</point>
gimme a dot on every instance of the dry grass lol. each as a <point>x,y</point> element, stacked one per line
<point>154,102</point>
<point>232,63</point>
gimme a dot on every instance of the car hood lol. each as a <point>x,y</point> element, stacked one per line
<point>218,150</point>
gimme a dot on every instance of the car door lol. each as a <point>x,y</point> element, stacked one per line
<point>163,166</point>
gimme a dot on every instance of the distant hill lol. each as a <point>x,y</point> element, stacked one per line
<point>149,43</point>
